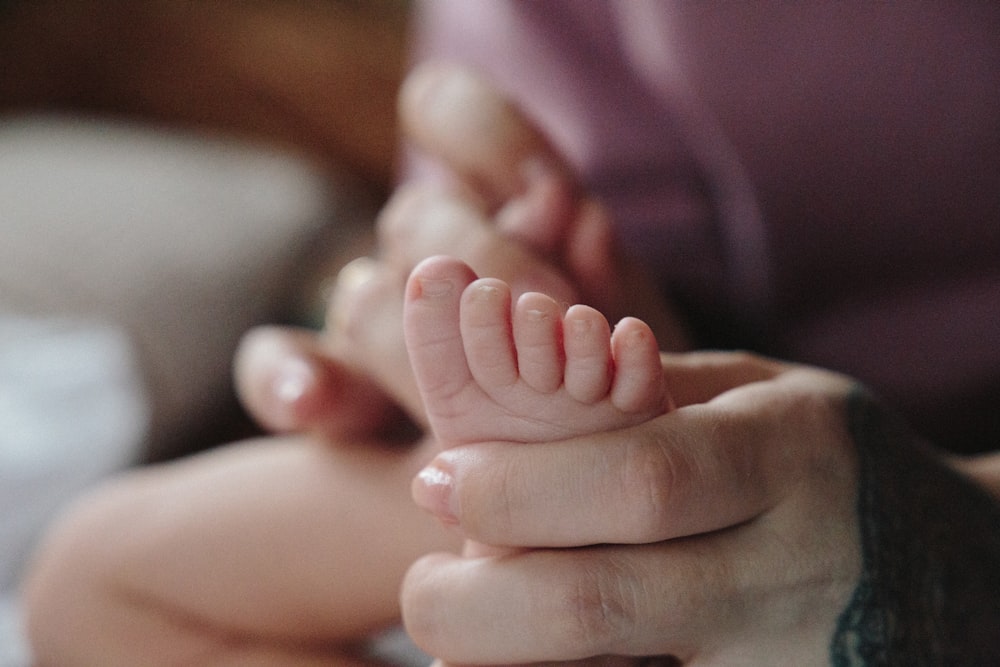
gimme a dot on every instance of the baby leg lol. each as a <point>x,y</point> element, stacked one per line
<point>282,547</point>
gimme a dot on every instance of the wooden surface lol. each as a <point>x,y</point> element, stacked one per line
<point>319,75</point>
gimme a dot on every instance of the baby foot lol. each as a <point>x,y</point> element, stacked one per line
<point>487,372</point>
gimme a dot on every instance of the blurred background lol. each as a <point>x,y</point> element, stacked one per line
<point>171,174</point>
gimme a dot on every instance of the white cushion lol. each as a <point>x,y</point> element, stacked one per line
<point>181,240</point>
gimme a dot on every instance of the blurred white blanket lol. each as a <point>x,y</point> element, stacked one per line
<point>183,240</point>
<point>71,412</point>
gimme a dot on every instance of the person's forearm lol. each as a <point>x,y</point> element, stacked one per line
<point>984,470</point>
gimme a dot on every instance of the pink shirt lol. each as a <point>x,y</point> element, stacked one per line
<point>818,181</point>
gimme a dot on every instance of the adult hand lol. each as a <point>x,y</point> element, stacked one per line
<point>779,516</point>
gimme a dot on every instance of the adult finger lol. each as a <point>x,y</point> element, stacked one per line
<point>477,132</point>
<point>675,598</point>
<point>633,486</point>
<point>289,382</point>
<point>700,468</point>
<point>464,610</point>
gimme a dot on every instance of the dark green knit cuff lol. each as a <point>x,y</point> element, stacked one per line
<point>929,592</point>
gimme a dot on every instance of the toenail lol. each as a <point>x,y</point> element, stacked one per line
<point>487,291</point>
<point>580,328</point>
<point>434,287</point>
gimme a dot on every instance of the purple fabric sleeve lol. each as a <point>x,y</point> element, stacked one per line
<point>817,181</point>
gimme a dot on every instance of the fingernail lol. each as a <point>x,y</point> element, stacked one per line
<point>293,381</point>
<point>357,272</point>
<point>434,491</point>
